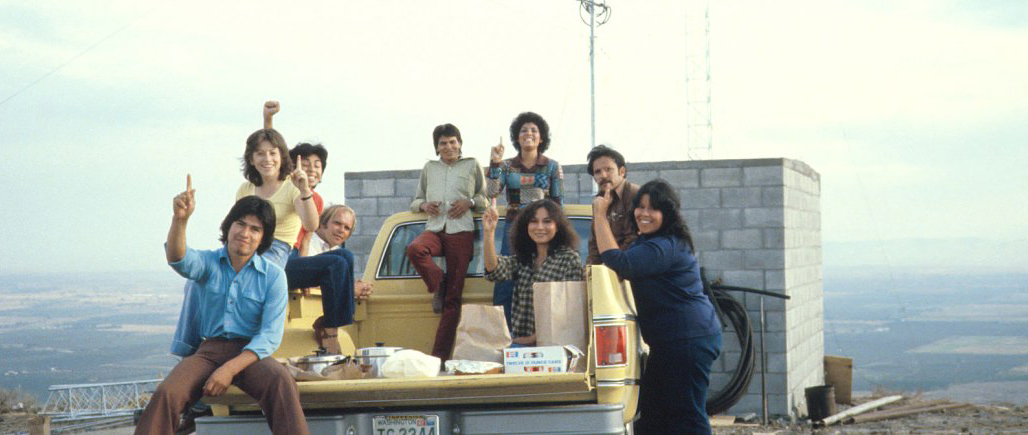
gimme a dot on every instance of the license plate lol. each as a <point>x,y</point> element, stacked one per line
<point>405,425</point>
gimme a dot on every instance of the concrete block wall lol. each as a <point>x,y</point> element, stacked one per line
<point>755,223</point>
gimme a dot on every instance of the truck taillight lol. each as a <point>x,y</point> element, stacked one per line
<point>611,342</point>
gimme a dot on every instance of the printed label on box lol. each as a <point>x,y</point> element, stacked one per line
<point>548,359</point>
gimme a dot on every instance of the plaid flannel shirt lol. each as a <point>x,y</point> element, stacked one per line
<point>562,265</point>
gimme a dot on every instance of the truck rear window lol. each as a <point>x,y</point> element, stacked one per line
<point>395,263</point>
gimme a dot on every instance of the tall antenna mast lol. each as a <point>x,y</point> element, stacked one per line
<point>599,13</point>
<point>699,130</point>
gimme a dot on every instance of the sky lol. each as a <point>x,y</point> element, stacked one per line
<point>912,112</point>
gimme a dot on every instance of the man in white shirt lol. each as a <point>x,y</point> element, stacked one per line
<point>330,266</point>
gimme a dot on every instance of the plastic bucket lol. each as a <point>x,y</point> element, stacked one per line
<point>820,401</point>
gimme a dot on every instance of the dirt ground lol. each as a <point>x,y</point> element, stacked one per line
<point>985,419</point>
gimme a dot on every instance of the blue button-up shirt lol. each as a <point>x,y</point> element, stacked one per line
<point>665,279</point>
<point>219,302</point>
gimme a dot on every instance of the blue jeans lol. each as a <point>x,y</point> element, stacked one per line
<point>673,394</point>
<point>278,253</point>
<point>333,272</point>
<point>503,291</point>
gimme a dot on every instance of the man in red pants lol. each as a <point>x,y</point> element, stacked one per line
<point>449,189</point>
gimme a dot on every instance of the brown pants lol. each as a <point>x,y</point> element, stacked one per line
<point>457,249</point>
<point>266,380</point>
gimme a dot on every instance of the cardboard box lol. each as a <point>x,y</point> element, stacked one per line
<point>546,359</point>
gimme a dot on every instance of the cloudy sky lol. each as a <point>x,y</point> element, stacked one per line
<point>913,112</point>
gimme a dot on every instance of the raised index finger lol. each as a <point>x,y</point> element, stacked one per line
<point>189,183</point>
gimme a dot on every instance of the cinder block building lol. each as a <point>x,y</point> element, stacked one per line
<point>756,223</point>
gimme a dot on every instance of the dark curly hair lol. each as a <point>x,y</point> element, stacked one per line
<point>304,149</point>
<point>526,117</point>
<point>664,198</point>
<point>252,206</point>
<point>523,245</point>
<point>276,140</point>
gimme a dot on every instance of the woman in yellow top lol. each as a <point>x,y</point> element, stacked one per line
<point>266,166</point>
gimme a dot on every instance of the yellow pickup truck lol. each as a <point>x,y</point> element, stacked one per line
<point>600,400</point>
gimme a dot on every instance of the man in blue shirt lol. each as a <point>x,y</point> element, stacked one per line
<point>240,317</point>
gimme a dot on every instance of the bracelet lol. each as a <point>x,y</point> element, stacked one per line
<point>308,197</point>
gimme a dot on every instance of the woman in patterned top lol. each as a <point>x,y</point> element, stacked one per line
<point>544,250</point>
<point>527,177</point>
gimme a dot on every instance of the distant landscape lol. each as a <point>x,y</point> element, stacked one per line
<point>906,328</point>
<point>86,328</point>
<point>931,331</point>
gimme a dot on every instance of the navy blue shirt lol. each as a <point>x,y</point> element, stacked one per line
<point>666,284</point>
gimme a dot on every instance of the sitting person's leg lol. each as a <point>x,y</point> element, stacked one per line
<point>332,271</point>
<point>457,248</point>
<point>427,245</point>
<point>180,389</point>
<point>337,299</point>
<point>420,251</point>
<point>273,387</point>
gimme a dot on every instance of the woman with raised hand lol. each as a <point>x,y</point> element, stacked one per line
<point>544,245</point>
<point>676,318</point>
<point>266,167</point>
<point>526,177</point>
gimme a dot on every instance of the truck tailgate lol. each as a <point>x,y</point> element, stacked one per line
<point>442,390</point>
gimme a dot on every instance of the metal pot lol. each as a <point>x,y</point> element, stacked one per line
<point>375,357</point>
<point>316,363</point>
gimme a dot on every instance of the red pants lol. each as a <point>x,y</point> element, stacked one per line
<point>265,380</point>
<point>456,249</point>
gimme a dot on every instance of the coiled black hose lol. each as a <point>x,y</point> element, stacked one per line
<point>735,312</point>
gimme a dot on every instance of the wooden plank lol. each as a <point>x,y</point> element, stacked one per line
<point>903,412</point>
<point>860,409</point>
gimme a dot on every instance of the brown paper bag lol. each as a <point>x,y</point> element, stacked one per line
<point>560,314</point>
<point>481,334</point>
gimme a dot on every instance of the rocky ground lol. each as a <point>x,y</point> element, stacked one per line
<point>986,419</point>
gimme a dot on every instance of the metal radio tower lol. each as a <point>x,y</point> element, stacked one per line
<point>699,130</point>
<point>599,13</point>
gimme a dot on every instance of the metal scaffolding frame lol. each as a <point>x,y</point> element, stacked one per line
<point>79,402</point>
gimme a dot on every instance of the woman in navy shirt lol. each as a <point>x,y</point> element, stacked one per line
<point>676,318</point>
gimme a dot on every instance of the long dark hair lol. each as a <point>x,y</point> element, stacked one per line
<point>664,198</point>
<point>257,207</point>
<point>522,243</point>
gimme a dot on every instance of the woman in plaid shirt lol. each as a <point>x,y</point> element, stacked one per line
<point>544,244</point>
